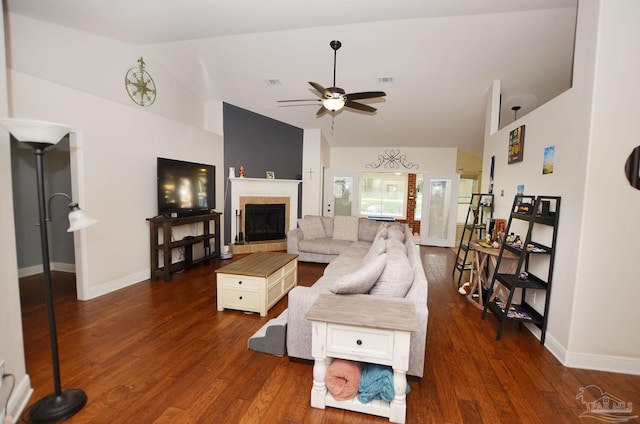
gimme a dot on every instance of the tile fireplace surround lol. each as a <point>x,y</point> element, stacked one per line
<point>263,191</point>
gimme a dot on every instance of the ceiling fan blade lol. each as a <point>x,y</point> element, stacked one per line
<point>321,111</point>
<point>299,100</point>
<point>318,87</point>
<point>366,95</point>
<point>359,106</point>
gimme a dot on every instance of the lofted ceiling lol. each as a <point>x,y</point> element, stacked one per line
<point>440,56</point>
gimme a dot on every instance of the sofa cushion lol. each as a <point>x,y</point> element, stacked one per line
<point>325,246</point>
<point>395,246</point>
<point>382,231</point>
<point>362,279</point>
<point>312,227</point>
<point>367,229</point>
<point>327,222</point>
<point>345,228</point>
<point>396,278</point>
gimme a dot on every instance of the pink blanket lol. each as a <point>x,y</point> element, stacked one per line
<point>343,378</point>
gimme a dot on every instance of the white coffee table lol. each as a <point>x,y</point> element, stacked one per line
<point>256,282</point>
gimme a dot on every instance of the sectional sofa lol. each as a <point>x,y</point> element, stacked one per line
<point>365,258</point>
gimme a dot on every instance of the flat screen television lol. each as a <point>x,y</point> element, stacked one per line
<point>185,188</point>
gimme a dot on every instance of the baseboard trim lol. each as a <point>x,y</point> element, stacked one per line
<point>37,269</point>
<point>20,398</point>
<point>117,284</point>
<point>589,361</point>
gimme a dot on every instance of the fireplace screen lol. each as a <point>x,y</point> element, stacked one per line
<point>264,222</point>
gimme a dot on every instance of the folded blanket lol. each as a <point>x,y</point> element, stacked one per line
<point>376,382</point>
<point>342,378</point>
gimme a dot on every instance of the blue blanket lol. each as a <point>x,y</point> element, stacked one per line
<point>376,382</point>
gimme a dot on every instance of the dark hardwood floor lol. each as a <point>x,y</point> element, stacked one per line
<point>161,353</point>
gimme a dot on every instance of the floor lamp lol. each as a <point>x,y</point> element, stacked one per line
<point>39,135</point>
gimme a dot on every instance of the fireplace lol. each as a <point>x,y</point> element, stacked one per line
<point>264,221</point>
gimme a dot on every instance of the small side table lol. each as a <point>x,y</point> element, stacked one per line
<point>362,329</point>
<point>482,256</point>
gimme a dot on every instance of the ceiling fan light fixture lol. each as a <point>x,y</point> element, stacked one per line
<point>333,104</point>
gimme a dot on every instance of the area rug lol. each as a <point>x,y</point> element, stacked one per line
<point>272,337</point>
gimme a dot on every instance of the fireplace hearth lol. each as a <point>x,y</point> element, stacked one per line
<point>264,221</point>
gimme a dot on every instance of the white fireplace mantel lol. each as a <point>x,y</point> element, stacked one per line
<point>263,187</point>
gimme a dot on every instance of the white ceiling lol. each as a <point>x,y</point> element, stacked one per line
<point>441,54</point>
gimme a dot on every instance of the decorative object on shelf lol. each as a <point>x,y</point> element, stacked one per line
<point>549,156</point>
<point>140,86</point>
<point>392,159</point>
<point>632,168</point>
<point>232,172</point>
<point>271,175</point>
<point>39,135</point>
<point>242,172</point>
<point>516,145</point>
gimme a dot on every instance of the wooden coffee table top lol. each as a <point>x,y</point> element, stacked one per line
<point>261,264</point>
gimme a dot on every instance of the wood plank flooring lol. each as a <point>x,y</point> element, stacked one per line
<point>160,353</point>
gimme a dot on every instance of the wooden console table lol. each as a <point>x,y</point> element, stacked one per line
<point>164,224</point>
<point>362,329</point>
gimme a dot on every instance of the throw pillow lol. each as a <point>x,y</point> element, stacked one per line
<point>377,248</point>
<point>396,278</point>
<point>362,279</point>
<point>396,233</point>
<point>382,231</point>
<point>345,228</point>
<point>395,246</point>
<point>311,227</point>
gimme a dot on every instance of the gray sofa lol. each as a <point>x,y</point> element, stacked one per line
<point>379,259</point>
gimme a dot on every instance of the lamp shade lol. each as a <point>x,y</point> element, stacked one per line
<point>26,130</point>
<point>78,219</point>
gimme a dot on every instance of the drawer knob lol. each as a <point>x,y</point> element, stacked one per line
<point>240,298</point>
<point>359,342</point>
<point>239,282</point>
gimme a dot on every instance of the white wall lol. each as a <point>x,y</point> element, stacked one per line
<point>12,344</point>
<point>312,172</point>
<point>589,319</point>
<point>603,324</point>
<point>116,142</point>
<point>433,160</point>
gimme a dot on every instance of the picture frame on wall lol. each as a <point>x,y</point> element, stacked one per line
<point>516,145</point>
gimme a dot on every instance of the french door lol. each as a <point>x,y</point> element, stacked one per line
<point>439,210</point>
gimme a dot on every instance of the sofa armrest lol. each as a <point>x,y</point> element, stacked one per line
<point>301,299</point>
<point>293,237</point>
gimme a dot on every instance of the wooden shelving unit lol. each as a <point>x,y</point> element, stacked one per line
<point>209,239</point>
<point>534,211</point>
<point>480,207</point>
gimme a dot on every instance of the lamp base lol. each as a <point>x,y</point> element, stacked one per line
<point>53,408</point>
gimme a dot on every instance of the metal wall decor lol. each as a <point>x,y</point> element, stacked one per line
<point>392,159</point>
<point>140,86</point>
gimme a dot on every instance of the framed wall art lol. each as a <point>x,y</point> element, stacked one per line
<point>516,145</point>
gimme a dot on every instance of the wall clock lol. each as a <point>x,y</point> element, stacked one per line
<point>140,85</point>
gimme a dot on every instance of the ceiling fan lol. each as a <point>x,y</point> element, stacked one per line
<point>335,98</point>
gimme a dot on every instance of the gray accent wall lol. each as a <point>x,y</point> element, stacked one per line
<point>259,144</point>
<point>57,178</point>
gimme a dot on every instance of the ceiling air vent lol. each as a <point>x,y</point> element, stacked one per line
<point>272,82</point>
<point>385,80</point>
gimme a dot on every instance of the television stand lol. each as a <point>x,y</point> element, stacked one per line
<point>209,239</point>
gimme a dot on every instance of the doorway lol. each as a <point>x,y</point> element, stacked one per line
<point>60,174</point>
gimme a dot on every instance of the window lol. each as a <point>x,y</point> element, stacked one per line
<point>383,194</point>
